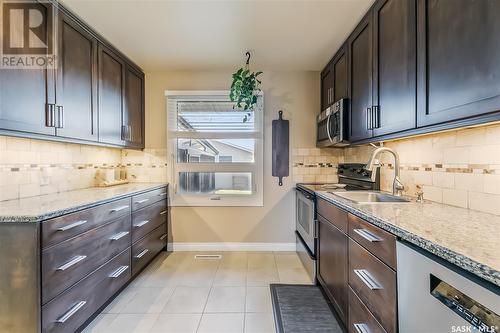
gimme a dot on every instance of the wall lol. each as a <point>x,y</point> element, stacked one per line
<point>34,167</point>
<point>459,168</point>
<point>296,93</point>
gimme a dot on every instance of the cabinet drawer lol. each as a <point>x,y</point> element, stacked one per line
<point>71,309</point>
<point>333,214</point>
<point>375,284</point>
<point>59,229</point>
<point>146,248</point>
<point>148,218</point>
<point>145,199</point>
<point>360,318</point>
<point>65,264</point>
<point>379,242</point>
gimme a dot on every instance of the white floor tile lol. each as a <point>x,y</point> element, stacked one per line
<point>259,323</point>
<point>221,323</point>
<point>231,277</point>
<point>226,299</point>
<point>132,323</point>
<point>148,300</point>
<point>187,300</point>
<point>258,299</point>
<point>176,323</point>
<point>100,323</point>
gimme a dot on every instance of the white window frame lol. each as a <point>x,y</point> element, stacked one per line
<point>256,168</point>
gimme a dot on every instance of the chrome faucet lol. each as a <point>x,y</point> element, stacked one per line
<point>397,186</point>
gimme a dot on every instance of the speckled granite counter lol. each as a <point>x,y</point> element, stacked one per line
<point>466,238</point>
<point>43,207</point>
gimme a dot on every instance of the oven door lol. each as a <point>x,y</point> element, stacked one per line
<point>304,224</point>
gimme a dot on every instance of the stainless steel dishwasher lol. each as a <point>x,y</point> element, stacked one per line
<point>436,297</point>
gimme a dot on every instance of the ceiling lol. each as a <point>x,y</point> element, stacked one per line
<point>214,35</point>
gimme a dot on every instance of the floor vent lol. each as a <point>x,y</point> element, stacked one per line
<point>208,256</point>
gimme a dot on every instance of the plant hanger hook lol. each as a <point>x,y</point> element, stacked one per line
<point>248,57</point>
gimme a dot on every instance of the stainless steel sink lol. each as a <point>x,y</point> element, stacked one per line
<point>369,197</point>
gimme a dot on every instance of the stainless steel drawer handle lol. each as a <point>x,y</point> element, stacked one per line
<point>366,234</point>
<point>74,309</point>
<point>367,279</point>
<point>162,194</point>
<point>117,209</point>
<point>72,225</point>
<point>119,235</point>
<point>140,224</point>
<point>362,328</point>
<point>72,262</point>
<point>143,252</point>
<point>118,272</point>
<point>163,237</point>
<point>163,213</point>
<point>141,201</point>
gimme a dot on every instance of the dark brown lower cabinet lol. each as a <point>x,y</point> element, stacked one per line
<point>360,318</point>
<point>332,265</point>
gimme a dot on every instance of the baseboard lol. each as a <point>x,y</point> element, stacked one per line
<point>232,247</point>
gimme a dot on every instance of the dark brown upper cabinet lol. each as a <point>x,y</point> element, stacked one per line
<point>133,115</point>
<point>360,48</point>
<point>27,96</point>
<point>341,79</point>
<point>458,59</point>
<point>327,83</point>
<point>111,97</point>
<point>76,97</point>
<point>394,66</point>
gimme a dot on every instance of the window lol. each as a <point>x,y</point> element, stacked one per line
<point>217,150</point>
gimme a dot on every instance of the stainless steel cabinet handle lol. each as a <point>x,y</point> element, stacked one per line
<point>369,118</point>
<point>163,237</point>
<point>367,279</point>
<point>361,328</point>
<point>72,262</point>
<point>118,272</point>
<point>367,235</point>
<point>74,309</point>
<point>119,235</point>
<point>163,212</point>
<point>140,224</point>
<point>143,252</point>
<point>162,194</point>
<point>117,209</point>
<point>72,225</point>
<point>141,201</point>
<point>50,115</point>
<point>60,116</point>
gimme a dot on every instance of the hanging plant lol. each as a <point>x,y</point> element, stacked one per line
<point>245,87</point>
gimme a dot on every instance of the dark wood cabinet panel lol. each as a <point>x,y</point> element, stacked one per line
<point>76,81</point>
<point>333,265</point>
<point>341,79</point>
<point>394,66</point>
<point>458,52</point>
<point>360,317</point>
<point>327,83</point>
<point>26,93</point>
<point>133,115</point>
<point>360,69</point>
<point>334,215</point>
<point>111,74</point>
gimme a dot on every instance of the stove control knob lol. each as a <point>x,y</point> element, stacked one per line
<point>359,170</point>
<point>340,171</point>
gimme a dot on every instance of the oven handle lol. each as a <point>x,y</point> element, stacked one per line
<point>328,128</point>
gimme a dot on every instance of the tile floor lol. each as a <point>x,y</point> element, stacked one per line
<point>178,293</point>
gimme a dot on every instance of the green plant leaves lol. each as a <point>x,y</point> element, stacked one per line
<point>245,88</point>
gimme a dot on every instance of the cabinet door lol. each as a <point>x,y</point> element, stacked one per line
<point>458,52</point>
<point>340,75</point>
<point>394,66</point>
<point>327,82</point>
<point>25,94</point>
<point>360,65</point>
<point>133,115</point>
<point>111,73</point>
<point>332,265</point>
<point>76,81</point>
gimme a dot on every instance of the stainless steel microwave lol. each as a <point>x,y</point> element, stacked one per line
<point>333,124</point>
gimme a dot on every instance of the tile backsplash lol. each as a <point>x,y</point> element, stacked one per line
<point>33,167</point>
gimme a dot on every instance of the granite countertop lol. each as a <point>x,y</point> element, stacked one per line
<point>469,239</point>
<point>35,209</point>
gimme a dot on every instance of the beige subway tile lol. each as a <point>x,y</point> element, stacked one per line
<point>3,144</point>
<point>455,197</point>
<point>443,179</point>
<point>469,182</point>
<point>492,184</point>
<point>17,144</point>
<point>471,136</point>
<point>29,190</point>
<point>9,192</point>
<point>444,140</point>
<point>456,155</point>
<point>422,177</point>
<point>485,202</point>
<point>492,134</point>
<point>487,154</point>
<point>433,193</point>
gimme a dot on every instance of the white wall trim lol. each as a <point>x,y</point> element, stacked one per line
<point>232,247</point>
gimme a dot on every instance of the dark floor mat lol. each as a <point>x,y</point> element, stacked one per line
<point>302,308</point>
